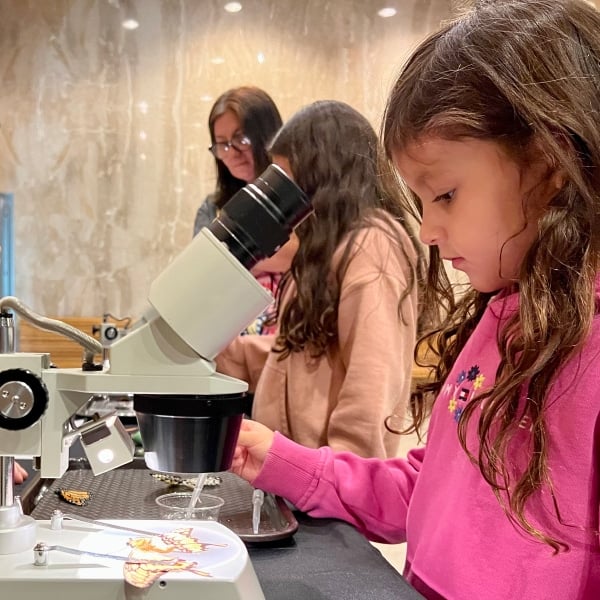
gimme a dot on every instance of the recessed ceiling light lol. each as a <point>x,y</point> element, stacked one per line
<point>387,12</point>
<point>233,7</point>
<point>205,98</point>
<point>217,60</point>
<point>130,24</point>
<point>260,57</point>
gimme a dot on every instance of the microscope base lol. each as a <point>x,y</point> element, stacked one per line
<point>175,560</point>
<point>17,531</point>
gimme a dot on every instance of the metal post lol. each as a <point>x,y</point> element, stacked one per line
<point>7,463</point>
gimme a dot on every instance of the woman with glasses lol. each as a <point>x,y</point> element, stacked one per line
<point>242,122</point>
<point>341,359</point>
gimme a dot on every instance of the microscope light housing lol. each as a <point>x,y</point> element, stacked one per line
<point>106,444</point>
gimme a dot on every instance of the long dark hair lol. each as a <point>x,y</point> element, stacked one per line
<point>524,74</point>
<point>335,158</point>
<point>259,119</point>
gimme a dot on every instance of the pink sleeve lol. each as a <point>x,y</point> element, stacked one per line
<point>369,493</point>
<point>245,358</point>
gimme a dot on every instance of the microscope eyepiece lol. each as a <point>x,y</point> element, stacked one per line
<point>259,218</point>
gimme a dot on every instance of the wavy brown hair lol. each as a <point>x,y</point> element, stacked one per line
<point>336,159</point>
<point>526,75</point>
<point>259,120</point>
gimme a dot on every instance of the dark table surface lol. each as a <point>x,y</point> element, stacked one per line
<point>324,560</point>
<point>328,560</point>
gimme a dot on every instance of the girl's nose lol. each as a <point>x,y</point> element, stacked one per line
<point>430,233</point>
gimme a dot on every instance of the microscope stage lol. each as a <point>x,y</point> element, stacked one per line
<point>176,559</point>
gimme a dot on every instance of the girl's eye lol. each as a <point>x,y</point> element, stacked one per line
<point>444,197</point>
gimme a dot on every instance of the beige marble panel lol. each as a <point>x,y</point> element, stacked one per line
<point>103,130</point>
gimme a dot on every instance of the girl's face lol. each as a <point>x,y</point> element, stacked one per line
<point>240,163</point>
<point>479,206</point>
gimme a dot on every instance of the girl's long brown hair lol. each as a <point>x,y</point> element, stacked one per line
<point>336,159</point>
<point>525,74</point>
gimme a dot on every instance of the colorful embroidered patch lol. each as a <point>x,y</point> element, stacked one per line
<point>462,390</point>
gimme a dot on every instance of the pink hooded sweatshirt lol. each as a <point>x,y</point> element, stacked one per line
<point>461,544</point>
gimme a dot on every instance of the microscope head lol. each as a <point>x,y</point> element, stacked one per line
<point>207,294</point>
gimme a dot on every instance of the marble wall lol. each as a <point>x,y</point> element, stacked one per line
<point>103,134</point>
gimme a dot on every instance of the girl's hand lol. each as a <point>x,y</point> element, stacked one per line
<point>19,473</point>
<point>253,443</point>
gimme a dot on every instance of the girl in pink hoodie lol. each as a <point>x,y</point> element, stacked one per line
<point>494,128</point>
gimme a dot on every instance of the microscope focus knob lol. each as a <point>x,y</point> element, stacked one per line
<point>23,399</point>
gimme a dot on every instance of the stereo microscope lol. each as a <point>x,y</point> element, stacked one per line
<point>189,415</point>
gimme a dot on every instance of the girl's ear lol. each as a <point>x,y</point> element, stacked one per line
<point>558,179</point>
<point>555,179</point>
<point>557,174</point>
<point>552,174</point>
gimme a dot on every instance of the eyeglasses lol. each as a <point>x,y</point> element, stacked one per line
<point>239,141</point>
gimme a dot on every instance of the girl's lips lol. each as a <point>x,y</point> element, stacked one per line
<point>457,262</point>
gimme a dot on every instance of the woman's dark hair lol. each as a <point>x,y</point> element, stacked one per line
<point>259,120</point>
<point>524,74</point>
<point>336,158</point>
